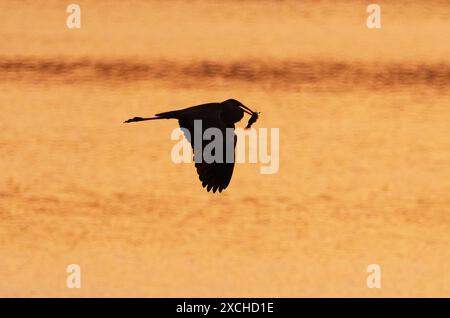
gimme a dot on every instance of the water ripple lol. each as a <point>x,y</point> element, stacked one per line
<point>282,74</point>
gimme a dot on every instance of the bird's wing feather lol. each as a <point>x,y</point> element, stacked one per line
<point>214,176</point>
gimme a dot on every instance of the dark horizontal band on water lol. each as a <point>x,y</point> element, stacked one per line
<point>277,73</point>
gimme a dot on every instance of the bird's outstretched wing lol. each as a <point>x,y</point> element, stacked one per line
<point>215,175</point>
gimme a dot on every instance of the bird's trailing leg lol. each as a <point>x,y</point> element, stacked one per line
<point>134,119</point>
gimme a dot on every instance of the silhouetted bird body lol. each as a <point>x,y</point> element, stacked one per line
<point>214,175</point>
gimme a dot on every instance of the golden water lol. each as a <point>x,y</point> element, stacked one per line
<point>364,149</point>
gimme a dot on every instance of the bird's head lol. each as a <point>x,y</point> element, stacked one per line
<point>233,111</point>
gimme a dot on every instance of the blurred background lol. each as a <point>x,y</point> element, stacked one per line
<point>364,149</point>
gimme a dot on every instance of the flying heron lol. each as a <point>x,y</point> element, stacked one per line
<point>215,175</point>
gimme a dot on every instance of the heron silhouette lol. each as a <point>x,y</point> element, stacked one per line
<point>214,175</point>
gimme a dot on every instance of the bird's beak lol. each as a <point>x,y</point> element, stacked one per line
<point>247,110</point>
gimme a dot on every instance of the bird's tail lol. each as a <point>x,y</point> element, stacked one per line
<point>174,114</point>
